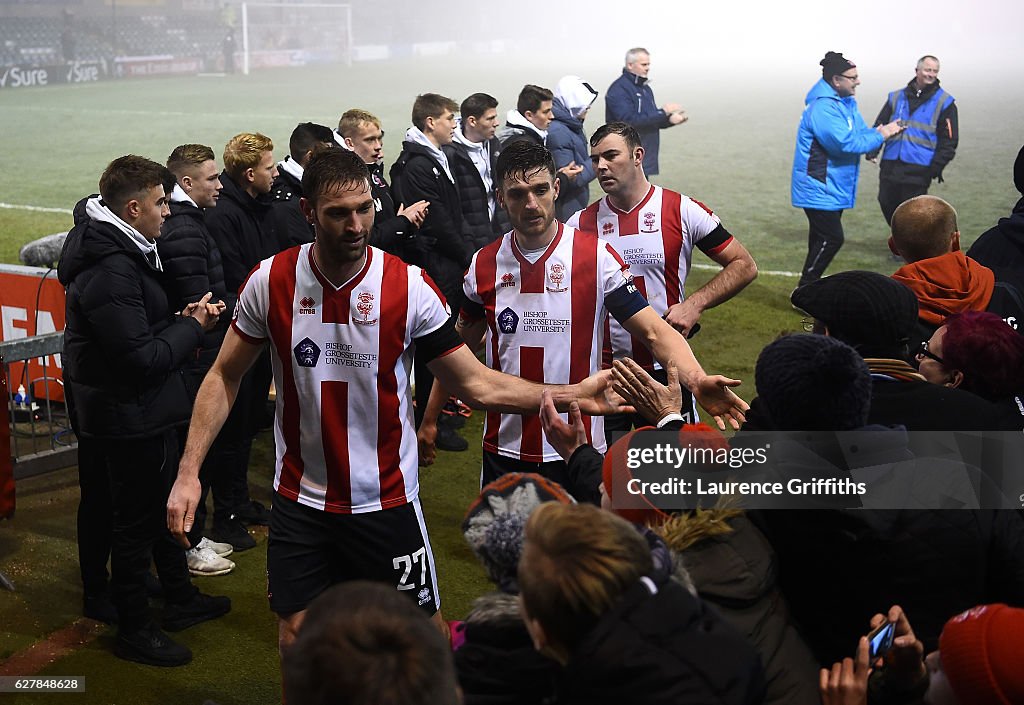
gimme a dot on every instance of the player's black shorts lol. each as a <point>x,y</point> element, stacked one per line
<point>309,550</point>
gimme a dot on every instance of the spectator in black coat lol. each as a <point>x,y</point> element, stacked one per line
<point>123,352</point>
<point>245,230</point>
<point>624,632</point>
<point>838,564</point>
<point>472,155</point>
<point>423,172</point>
<point>1003,245</point>
<point>530,121</point>
<point>193,266</point>
<point>394,228</point>
<point>287,188</point>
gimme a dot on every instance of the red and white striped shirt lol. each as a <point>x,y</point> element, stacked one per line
<point>656,239</point>
<point>342,357</point>
<point>545,322</point>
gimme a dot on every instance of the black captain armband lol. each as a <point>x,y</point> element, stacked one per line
<point>625,302</point>
<point>436,343</point>
<point>714,240</point>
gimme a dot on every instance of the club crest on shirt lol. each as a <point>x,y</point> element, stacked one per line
<point>306,306</point>
<point>508,321</point>
<point>556,275</point>
<point>364,305</point>
<point>648,223</point>
<point>508,279</point>
<point>307,353</point>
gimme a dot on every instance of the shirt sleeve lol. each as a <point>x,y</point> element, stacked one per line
<point>431,310</point>
<point>250,315</point>
<point>621,297</point>
<point>703,226</point>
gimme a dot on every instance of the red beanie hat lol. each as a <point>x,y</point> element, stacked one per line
<point>982,653</point>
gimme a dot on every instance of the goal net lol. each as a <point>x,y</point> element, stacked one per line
<point>295,34</point>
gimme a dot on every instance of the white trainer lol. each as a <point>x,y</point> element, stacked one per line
<point>221,549</point>
<point>203,561</point>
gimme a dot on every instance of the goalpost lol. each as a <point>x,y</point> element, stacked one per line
<point>295,33</point>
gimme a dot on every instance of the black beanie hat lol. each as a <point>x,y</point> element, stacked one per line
<point>833,63</point>
<point>813,383</point>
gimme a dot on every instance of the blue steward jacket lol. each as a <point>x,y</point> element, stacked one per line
<point>831,137</point>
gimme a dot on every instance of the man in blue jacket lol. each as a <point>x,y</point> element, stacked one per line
<point>630,99</point>
<point>831,137</point>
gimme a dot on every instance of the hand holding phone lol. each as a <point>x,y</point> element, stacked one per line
<point>880,640</point>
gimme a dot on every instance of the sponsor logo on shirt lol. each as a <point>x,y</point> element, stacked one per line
<point>556,275</point>
<point>364,304</point>
<point>508,321</point>
<point>307,353</point>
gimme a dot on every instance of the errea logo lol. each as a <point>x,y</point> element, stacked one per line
<point>307,306</point>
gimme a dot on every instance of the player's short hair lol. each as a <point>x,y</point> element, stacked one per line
<point>634,53</point>
<point>363,643</point>
<point>244,151</point>
<point>622,129</point>
<point>352,119</point>
<point>577,561</point>
<point>476,105</point>
<point>186,157</point>
<point>922,227</point>
<point>520,159</point>
<point>307,137</point>
<point>531,97</point>
<point>925,58</point>
<point>330,169</point>
<point>128,177</point>
<point>430,105</point>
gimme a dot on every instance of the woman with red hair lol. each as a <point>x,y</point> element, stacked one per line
<point>979,353</point>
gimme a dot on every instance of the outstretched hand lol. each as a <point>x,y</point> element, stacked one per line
<point>651,398</point>
<point>713,393</point>
<point>563,437</point>
<point>596,397</point>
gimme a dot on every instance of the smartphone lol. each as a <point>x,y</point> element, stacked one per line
<point>880,640</point>
<point>902,123</point>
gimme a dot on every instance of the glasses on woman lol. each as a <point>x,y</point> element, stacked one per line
<point>924,351</point>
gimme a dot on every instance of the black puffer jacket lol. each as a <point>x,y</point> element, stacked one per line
<point>391,232</point>
<point>244,229</point>
<point>475,199</point>
<point>443,247</point>
<point>192,260</point>
<point>661,648</point>
<point>292,225</point>
<point>123,347</point>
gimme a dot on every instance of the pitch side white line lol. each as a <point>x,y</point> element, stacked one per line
<point>765,272</point>
<point>37,209</point>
